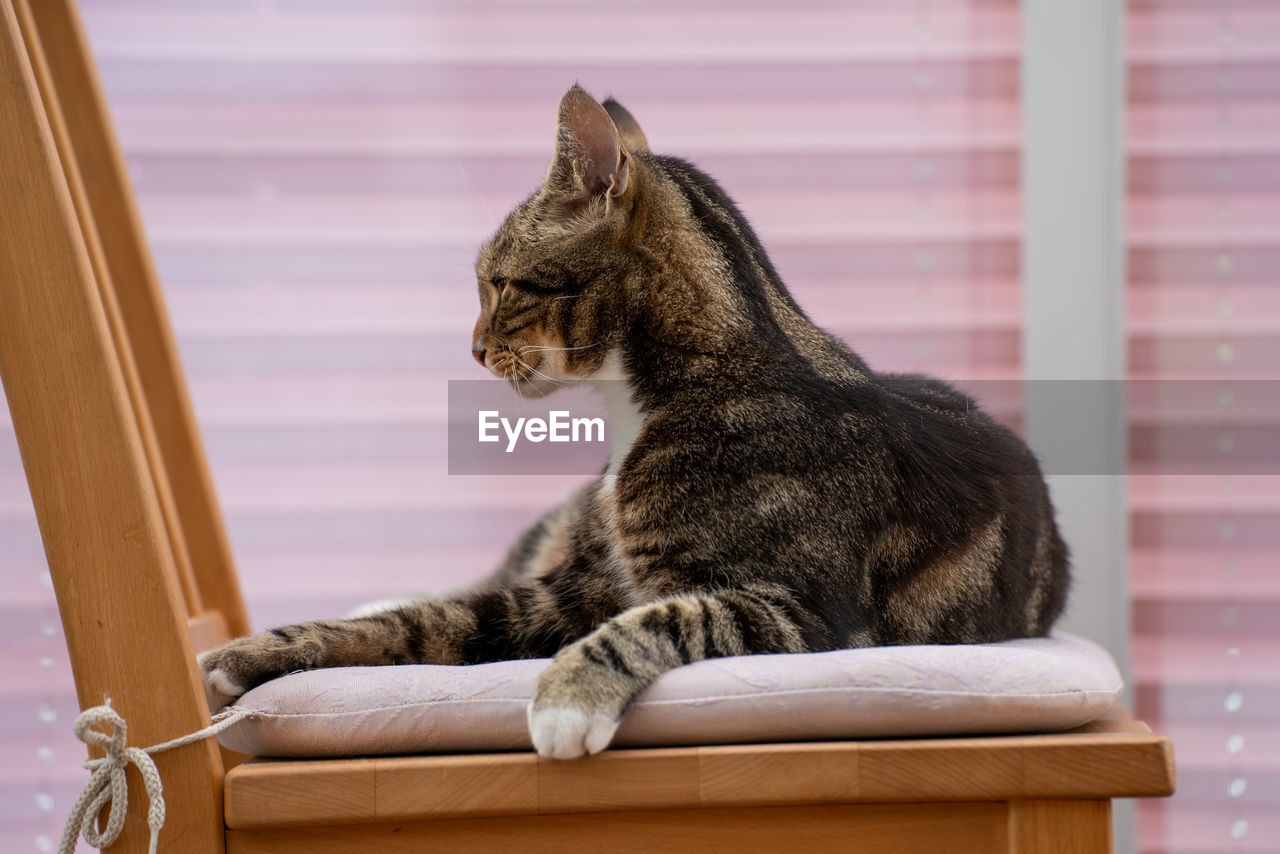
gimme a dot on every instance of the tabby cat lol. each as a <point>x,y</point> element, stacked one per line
<point>767,492</point>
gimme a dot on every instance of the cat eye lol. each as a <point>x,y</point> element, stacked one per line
<point>529,285</point>
<point>540,286</point>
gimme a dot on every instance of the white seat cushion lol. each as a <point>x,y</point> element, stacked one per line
<point>1034,685</point>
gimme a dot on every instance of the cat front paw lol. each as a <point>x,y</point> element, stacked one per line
<point>577,704</point>
<point>569,731</point>
<point>233,668</point>
<point>220,688</point>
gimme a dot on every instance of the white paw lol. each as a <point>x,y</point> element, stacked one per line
<point>567,732</point>
<point>219,688</point>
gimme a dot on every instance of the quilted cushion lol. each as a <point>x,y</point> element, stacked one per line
<point>1033,685</point>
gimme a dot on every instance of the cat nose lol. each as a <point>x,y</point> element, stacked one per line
<point>478,352</point>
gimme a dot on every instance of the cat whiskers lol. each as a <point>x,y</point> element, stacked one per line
<point>531,369</point>
<point>507,366</point>
<point>516,368</point>
<point>511,371</point>
<point>537,348</point>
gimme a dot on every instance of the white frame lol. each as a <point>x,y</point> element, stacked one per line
<point>1073,266</point>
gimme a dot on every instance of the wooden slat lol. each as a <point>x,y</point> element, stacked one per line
<point>463,783</point>
<point>208,630</point>
<point>316,792</point>
<point>111,307</point>
<point>885,829</point>
<point>623,779</point>
<point>97,510</point>
<point>1114,758</point>
<point>1060,827</point>
<point>142,306</point>
<point>773,773</point>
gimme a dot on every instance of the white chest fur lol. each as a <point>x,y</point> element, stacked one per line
<point>625,418</point>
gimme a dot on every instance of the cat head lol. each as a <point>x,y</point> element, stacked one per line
<point>550,277</point>
<point>623,262</point>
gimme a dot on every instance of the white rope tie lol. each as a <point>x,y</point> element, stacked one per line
<point>109,784</point>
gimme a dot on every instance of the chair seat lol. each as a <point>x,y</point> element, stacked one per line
<point>976,793</point>
<point>921,784</point>
<point>1030,685</point>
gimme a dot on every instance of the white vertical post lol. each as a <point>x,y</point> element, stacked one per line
<point>1073,96</point>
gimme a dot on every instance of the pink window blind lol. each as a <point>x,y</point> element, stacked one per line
<point>315,179</point>
<point>1204,313</point>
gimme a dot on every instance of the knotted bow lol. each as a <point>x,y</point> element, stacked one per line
<point>109,783</point>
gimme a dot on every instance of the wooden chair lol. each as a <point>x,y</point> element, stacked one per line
<point>144,580</point>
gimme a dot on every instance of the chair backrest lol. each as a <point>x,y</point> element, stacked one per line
<point>134,538</point>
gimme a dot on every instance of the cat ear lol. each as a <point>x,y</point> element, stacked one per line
<point>589,156</point>
<point>628,128</point>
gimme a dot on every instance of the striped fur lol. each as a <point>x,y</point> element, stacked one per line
<point>771,493</point>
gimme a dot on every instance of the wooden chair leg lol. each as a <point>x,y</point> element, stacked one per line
<point>1060,827</point>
